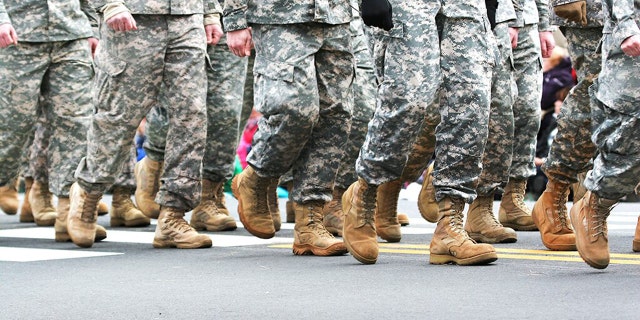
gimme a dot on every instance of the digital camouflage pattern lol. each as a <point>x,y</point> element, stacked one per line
<point>616,107</point>
<point>61,72</point>
<point>225,81</point>
<point>303,75</point>
<point>408,60</point>
<point>239,14</point>
<point>527,60</point>
<point>468,55</point>
<point>594,14</point>
<point>531,12</point>
<point>364,101</point>
<point>572,149</point>
<point>498,152</point>
<point>162,62</point>
<point>49,21</point>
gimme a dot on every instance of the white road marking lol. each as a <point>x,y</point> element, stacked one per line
<point>31,254</point>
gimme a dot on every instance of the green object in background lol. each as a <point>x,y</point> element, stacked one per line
<point>237,169</point>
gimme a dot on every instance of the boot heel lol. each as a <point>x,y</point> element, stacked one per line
<point>117,222</point>
<point>62,237</point>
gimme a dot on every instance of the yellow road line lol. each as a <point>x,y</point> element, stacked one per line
<point>503,253</point>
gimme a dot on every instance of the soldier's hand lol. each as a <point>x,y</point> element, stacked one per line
<point>547,43</point>
<point>8,35</point>
<point>214,33</point>
<point>574,11</point>
<point>377,13</point>
<point>631,46</point>
<point>122,21</point>
<point>513,36</point>
<point>93,44</point>
<point>239,42</point>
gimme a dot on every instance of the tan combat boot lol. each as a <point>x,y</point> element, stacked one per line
<point>124,212</point>
<point>427,204</point>
<point>26,214</point>
<point>589,220</point>
<point>83,214</point>
<point>44,214</point>
<point>310,235</point>
<point>403,219</point>
<point>253,203</point>
<point>636,238</point>
<point>333,215</point>
<point>9,201</point>
<point>60,226</point>
<point>359,232</point>
<point>291,212</point>
<point>550,216</point>
<point>451,244</point>
<point>221,202</point>
<point>514,213</point>
<point>578,187</point>
<point>207,215</point>
<point>147,174</point>
<point>482,226</point>
<point>386,217</point>
<point>173,231</point>
<point>274,207</point>
<point>103,208</point>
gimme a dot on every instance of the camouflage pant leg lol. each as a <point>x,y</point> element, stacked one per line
<point>167,51</point>
<point>36,153</point>
<point>496,159</point>
<point>616,169</point>
<point>411,77</point>
<point>467,60</point>
<point>425,145</point>
<point>155,130</point>
<point>247,95</point>
<point>301,88</point>
<point>572,149</point>
<point>225,81</point>
<point>526,109</point>
<point>126,178</point>
<point>364,101</point>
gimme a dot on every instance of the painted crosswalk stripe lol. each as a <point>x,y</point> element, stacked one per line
<point>14,254</point>
<point>144,237</point>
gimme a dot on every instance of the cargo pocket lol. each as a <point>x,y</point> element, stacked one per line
<point>273,85</point>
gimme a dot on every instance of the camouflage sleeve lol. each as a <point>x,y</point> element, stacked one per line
<point>518,6</point>
<point>212,6</point>
<point>543,15</point>
<point>4,15</point>
<point>622,15</point>
<point>90,11</point>
<point>235,15</point>
<point>506,12</point>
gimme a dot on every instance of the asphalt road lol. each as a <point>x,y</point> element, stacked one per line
<point>243,277</point>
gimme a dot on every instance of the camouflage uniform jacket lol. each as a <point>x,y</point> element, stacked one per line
<point>622,19</point>
<point>168,7</point>
<point>49,20</point>
<point>594,14</point>
<point>238,14</point>
<point>532,12</point>
<point>506,11</point>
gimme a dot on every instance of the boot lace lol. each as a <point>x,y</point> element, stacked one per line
<point>561,207</point>
<point>90,207</point>
<point>262,199</point>
<point>315,221</point>
<point>219,195</point>
<point>369,205</point>
<point>600,214</point>
<point>179,225</point>
<point>455,222</point>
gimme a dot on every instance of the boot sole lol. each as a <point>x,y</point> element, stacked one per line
<point>45,223</point>
<point>481,259</point>
<point>64,237</point>
<point>388,238</point>
<point>229,226</point>
<point>636,245</point>
<point>243,219</point>
<point>518,227</point>
<point>478,237</point>
<point>336,249</point>
<point>119,222</point>
<point>162,244</point>
<point>26,218</point>
<point>358,257</point>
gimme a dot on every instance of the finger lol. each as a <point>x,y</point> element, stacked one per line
<point>247,47</point>
<point>209,37</point>
<point>14,36</point>
<point>134,24</point>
